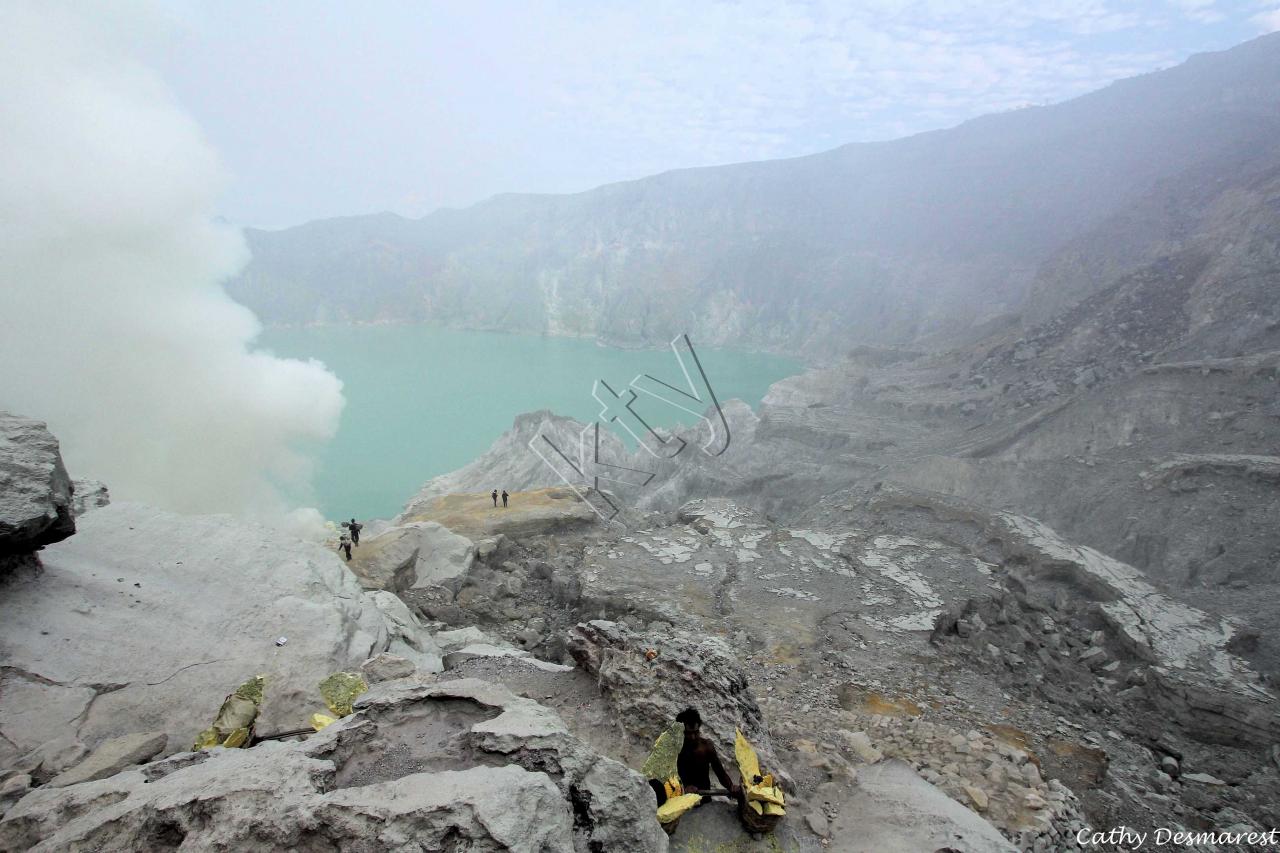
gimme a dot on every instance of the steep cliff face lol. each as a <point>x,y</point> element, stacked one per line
<point>932,236</point>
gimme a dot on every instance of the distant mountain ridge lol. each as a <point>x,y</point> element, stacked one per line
<point>920,241</point>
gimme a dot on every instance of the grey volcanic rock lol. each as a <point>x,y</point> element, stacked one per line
<point>411,555</point>
<point>898,812</point>
<point>88,495</point>
<point>688,672</point>
<point>1196,679</point>
<point>50,758</point>
<point>147,620</point>
<point>35,491</point>
<point>512,463</point>
<point>112,756</point>
<point>499,771</point>
<point>405,634</point>
<point>386,667</point>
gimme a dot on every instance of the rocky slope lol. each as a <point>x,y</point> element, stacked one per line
<point>923,238</point>
<point>1040,684</point>
<point>144,620</point>
<point>456,765</point>
<point>892,652</point>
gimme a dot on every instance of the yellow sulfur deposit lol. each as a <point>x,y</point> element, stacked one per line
<point>676,807</point>
<point>340,690</point>
<point>661,763</point>
<point>763,796</point>
<point>233,727</point>
<point>319,721</point>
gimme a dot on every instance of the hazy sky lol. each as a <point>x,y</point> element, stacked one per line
<point>325,109</point>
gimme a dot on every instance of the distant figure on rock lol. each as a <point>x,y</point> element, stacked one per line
<point>698,757</point>
<point>504,498</point>
<point>495,498</point>
<point>355,531</point>
<point>344,544</point>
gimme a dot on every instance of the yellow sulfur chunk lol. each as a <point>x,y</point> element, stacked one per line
<point>677,807</point>
<point>319,721</point>
<point>767,795</point>
<point>237,738</point>
<point>748,762</point>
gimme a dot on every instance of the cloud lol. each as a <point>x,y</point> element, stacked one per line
<point>758,79</point>
<point>116,329</point>
<point>1268,21</point>
<point>1200,11</point>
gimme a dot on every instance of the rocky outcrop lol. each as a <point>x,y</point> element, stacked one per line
<point>385,666</point>
<point>433,765</point>
<point>35,491</point>
<point>146,620</point>
<point>517,461</point>
<point>685,672</point>
<point>405,635</point>
<point>88,495</point>
<point>411,555</point>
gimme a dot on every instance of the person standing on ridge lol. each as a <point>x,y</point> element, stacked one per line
<point>504,499</point>
<point>494,495</point>
<point>344,544</point>
<point>355,531</point>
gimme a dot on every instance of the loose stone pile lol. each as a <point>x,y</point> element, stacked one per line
<point>994,777</point>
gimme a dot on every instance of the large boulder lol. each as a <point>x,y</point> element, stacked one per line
<point>35,491</point>
<point>405,635</point>
<point>460,764</point>
<point>411,556</point>
<point>686,671</point>
<point>146,620</point>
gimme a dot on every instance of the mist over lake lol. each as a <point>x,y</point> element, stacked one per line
<point>422,401</point>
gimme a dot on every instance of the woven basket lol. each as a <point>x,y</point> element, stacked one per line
<point>761,823</point>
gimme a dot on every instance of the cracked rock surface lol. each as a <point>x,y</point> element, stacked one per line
<point>145,620</point>
<point>458,765</point>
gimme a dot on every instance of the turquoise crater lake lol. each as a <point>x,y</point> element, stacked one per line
<point>422,401</point>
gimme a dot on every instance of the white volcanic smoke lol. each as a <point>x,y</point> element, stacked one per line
<point>115,328</point>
